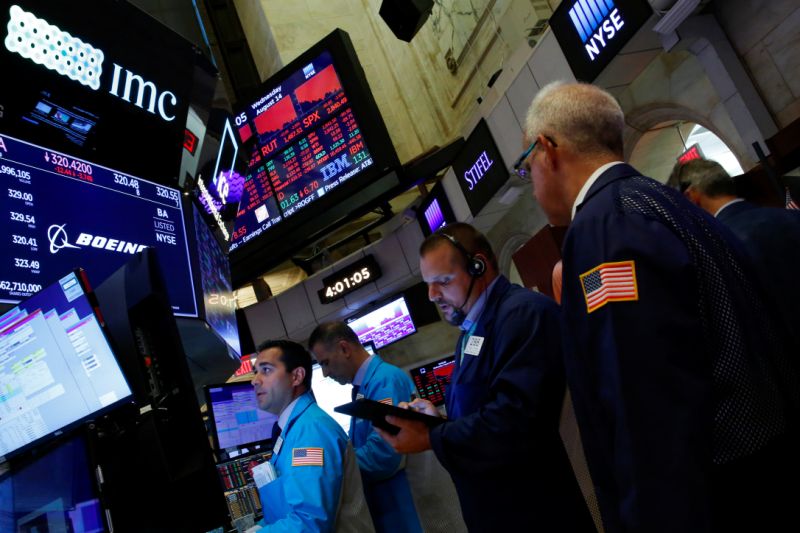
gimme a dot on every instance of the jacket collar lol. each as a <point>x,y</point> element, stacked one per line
<point>611,175</point>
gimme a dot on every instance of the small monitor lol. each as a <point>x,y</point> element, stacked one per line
<point>330,394</point>
<point>56,492</point>
<point>56,366</point>
<point>236,419</point>
<point>435,212</point>
<point>433,378</point>
<point>387,324</point>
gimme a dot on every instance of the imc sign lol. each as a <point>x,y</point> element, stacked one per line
<point>592,32</point>
<point>101,80</point>
<point>479,168</point>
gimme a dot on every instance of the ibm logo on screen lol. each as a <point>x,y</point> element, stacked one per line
<point>597,22</point>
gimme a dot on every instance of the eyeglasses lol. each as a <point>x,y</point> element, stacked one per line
<point>520,168</point>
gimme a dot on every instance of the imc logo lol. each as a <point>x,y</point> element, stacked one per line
<point>597,22</point>
<point>41,42</point>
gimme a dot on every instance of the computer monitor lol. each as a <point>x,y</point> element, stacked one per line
<point>57,368</point>
<point>236,420</point>
<point>432,379</point>
<point>56,492</point>
<point>387,324</point>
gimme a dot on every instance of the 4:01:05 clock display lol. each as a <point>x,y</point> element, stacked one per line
<point>349,279</point>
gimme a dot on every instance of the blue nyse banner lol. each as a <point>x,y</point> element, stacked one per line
<point>592,32</point>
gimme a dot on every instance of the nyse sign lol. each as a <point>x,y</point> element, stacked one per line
<point>592,32</point>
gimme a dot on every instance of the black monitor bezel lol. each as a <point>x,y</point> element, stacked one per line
<point>437,192</point>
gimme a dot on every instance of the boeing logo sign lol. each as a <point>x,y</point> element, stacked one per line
<point>597,22</point>
<point>53,48</point>
<point>57,236</point>
<point>592,32</point>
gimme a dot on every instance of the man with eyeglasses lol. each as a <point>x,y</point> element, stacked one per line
<point>684,390</point>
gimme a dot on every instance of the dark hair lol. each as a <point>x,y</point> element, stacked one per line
<point>293,355</point>
<point>472,240</point>
<point>329,332</point>
<point>707,177</point>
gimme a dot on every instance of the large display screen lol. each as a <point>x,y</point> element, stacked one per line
<point>318,154</point>
<point>215,278</point>
<point>433,378</point>
<point>55,493</point>
<point>62,212</point>
<point>101,80</point>
<point>479,168</point>
<point>237,419</point>
<point>386,324</point>
<point>56,366</point>
<point>305,142</point>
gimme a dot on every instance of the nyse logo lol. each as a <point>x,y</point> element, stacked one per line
<point>597,22</point>
<point>47,45</point>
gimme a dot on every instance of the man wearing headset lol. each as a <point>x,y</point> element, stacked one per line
<point>500,443</point>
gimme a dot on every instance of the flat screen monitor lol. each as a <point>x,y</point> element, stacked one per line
<point>56,492</point>
<point>236,419</point>
<point>62,212</point>
<point>101,80</point>
<point>387,324</point>
<point>435,211</point>
<point>433,378</point>
<point>219,305</point>
<point>330,394</point>
<point>317,149</point>
<point>56,366</point>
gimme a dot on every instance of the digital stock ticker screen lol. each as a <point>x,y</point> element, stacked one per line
<point>62,212</point>
<point>303,140</point>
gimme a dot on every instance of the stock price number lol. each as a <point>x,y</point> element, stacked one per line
<point>349,279</point>
<point>169,194</point>
<point>121,179</point>
<point>19,195</point>
<point>26,263</point>
<point>19,217</point>
<point>24,174</point>
<point>24,241</point>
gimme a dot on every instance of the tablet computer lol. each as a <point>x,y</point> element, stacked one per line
<point>376,412</point>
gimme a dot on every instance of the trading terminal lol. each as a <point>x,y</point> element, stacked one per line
<point>185,182</point>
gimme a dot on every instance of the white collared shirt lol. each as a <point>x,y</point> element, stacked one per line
<point>586,186</point>
<point>726,205</point>
<point>286,413</point>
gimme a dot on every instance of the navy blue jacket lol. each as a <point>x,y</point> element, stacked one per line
<point>678,379</point>
<point>771,238</point>
<point>501,443</point>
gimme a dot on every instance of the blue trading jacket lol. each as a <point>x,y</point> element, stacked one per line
<point>673,380</point>
<point>501,443</point>
<point>385,484</point>
<point>305,497</point>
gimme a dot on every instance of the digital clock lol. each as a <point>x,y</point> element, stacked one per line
<point>345,281</point>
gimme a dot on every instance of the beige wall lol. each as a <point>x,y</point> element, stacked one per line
<point>422,102</point>
<point>766,34</point>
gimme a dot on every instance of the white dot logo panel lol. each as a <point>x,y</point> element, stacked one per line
<point>35,39</point>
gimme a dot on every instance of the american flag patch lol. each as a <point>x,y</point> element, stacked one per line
<point>609,282</point>
<point>308,457</point>
<point>387,401</point>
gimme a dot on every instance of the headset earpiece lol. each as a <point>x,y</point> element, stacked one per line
<point>476,266</point>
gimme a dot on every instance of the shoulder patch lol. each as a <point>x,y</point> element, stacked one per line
<point>308,457</point>
<point>609,282</point>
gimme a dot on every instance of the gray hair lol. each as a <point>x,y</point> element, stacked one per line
<point>582,115</point>
<point>707,178</point>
